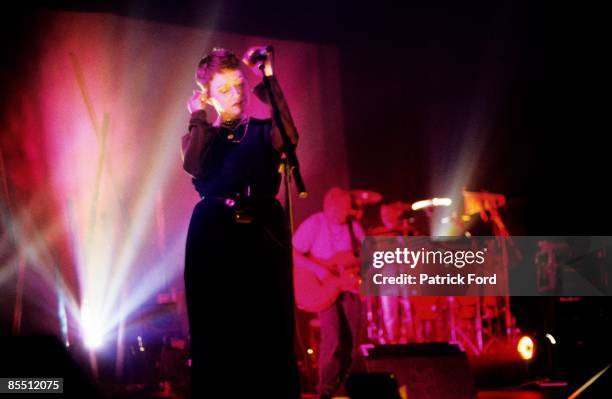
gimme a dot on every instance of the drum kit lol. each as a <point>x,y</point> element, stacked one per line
<point>399,218</point>
<point>471,321</point>
<point>436,216</point>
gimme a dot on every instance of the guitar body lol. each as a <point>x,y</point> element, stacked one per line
<point>315,295</point>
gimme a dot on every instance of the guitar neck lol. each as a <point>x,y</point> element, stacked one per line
<point>355,245</point>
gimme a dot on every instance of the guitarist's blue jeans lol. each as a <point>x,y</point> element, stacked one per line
<point>341,326</point>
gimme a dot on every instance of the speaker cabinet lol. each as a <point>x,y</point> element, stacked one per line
<point>425,371</point>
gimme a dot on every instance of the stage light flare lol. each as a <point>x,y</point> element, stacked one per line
<point>91,329</point>
<point>551,339</point>
<point>118,279</point>
<point>431,202</point>
<point>441,202</point>
<point>140,344</point>
<point>107,182</point>
<point>525,347</point>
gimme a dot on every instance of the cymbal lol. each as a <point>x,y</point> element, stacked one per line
<point>366,197</point>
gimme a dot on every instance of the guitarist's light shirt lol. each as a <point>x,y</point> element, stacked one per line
<point>322,239</point>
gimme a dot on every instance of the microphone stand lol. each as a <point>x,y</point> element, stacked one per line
<point>290,163</point>
<point>290,168</point>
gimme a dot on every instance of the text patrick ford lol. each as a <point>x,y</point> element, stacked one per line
<point>435,279</point>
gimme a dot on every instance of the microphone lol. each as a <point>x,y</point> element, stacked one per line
<point>257,55</point>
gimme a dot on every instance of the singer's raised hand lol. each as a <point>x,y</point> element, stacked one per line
<point>197,101</point>
<point>258,56</point>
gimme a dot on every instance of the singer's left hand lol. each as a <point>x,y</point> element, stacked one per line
<point>268,63</point>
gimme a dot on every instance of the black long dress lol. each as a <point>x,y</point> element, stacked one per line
<point>238,276</point>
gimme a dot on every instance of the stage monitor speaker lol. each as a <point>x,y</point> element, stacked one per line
<point>425,371</point>
<point>372,386</point>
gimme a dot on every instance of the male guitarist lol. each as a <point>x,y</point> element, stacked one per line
<point>326,248</point>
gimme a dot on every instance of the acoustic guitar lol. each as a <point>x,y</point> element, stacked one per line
<point>313,294</point>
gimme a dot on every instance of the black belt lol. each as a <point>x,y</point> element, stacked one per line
<point>244,208</point>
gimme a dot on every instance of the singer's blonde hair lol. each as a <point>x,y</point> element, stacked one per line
<point>218,59</point>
